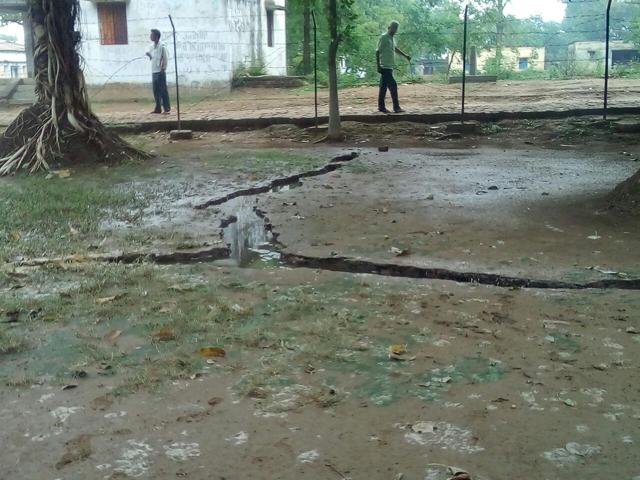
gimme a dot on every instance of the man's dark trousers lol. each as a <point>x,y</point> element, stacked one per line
<point>388,82</point>
<point>160,91</point>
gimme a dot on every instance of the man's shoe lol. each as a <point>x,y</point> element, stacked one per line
<point>166,112</point>
<point>383,110</point>
<point>155,112</point>
<point>398,110</point>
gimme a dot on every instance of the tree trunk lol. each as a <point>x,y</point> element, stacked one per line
<point>499,33</point>
<point>306,40</point>
<point>451,59</point>
<point>60,126</point>
<point>335,129</point>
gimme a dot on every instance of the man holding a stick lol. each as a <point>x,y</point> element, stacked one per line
<point>386,61</point>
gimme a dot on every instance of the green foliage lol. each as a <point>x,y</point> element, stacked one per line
<point>10,17</point>
<point>628,70</point>
<point>433,28</point>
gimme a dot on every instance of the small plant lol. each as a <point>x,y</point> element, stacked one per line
<point>492,129</point>
<point>10,343</point>
<point>243,71</point>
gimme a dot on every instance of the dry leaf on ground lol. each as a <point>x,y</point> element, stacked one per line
<point>211,352</point>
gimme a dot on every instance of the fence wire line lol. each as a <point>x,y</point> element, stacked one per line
<point>357,60</point>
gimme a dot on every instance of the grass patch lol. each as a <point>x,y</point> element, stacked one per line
<point>11,343</point>
<point>41,216</point>
<point>262,162</point>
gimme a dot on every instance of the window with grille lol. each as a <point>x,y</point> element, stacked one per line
<point>113,23</point>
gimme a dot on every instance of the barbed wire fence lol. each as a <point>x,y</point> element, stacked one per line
<point>210,59</point>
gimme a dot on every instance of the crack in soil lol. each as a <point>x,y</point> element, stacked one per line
<point>336,264</point>
<point>247,238</point>
<point>351,265</point>
<point>278,183</point>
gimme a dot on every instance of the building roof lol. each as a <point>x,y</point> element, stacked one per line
<point>602,43</point>
<point>11,47</point>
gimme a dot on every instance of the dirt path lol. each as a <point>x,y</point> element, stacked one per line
<point>119,104</point>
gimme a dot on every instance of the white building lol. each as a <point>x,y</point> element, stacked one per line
<point>13,60</point>
<point>214,38</point>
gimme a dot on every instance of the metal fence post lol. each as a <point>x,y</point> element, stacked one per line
<point>175,58</point>
<point>606,63</point>
<point>464,61</point>
<point>315,62</point>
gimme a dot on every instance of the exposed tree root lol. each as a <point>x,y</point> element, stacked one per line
<point>60,127</point>
<point>194,255</point>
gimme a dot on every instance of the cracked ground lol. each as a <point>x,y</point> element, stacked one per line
<point>253,367</point>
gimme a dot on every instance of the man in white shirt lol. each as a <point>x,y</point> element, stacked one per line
<point>157,53</point>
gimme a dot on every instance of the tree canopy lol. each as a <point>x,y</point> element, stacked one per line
<point>431,28</point>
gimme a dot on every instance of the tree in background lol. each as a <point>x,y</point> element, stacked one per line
<point>10,17</point>
<point>341,19</point>
<point>60,126</point>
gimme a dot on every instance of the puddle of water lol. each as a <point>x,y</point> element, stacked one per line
<point>251,244</point>
<point>286,188</point>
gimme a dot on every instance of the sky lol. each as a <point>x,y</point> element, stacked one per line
<point>15,30</point>
<point>549,10</point>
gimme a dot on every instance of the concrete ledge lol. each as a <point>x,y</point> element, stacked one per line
<point>627,126</point>
<point>468,127</point>
<point>7,90</point>
<point>181,134</point>
<point>305,122</point>
<point>475,79</point>
<point>270,81</point>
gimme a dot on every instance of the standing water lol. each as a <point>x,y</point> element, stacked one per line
<point>250,242</point>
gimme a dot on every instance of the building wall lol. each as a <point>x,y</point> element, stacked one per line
<point>590,55</point>
<point>214,37</point>
<point>510,58</point>
<point>18,60</point>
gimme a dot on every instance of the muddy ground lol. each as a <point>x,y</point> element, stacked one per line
<point>248,367</point>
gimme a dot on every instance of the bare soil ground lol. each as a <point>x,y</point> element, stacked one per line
<point>121,104</point>
<point>207,370</point>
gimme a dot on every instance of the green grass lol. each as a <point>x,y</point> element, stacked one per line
<point>263,162</point>
<point>11,343</point>
<point>41,216</point>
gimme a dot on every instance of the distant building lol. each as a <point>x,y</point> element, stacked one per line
<point>13,60</point>
<point>214,38</point>
<point>517,59</point>
<point>430,65</point>
<point>590,55</point>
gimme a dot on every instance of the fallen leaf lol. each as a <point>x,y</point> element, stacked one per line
<point>164,334</point>
<point>210,352</point>
<point>398,349</point>
<point>213,401</point>
<point>112,335</point>
<point>71,386</point>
